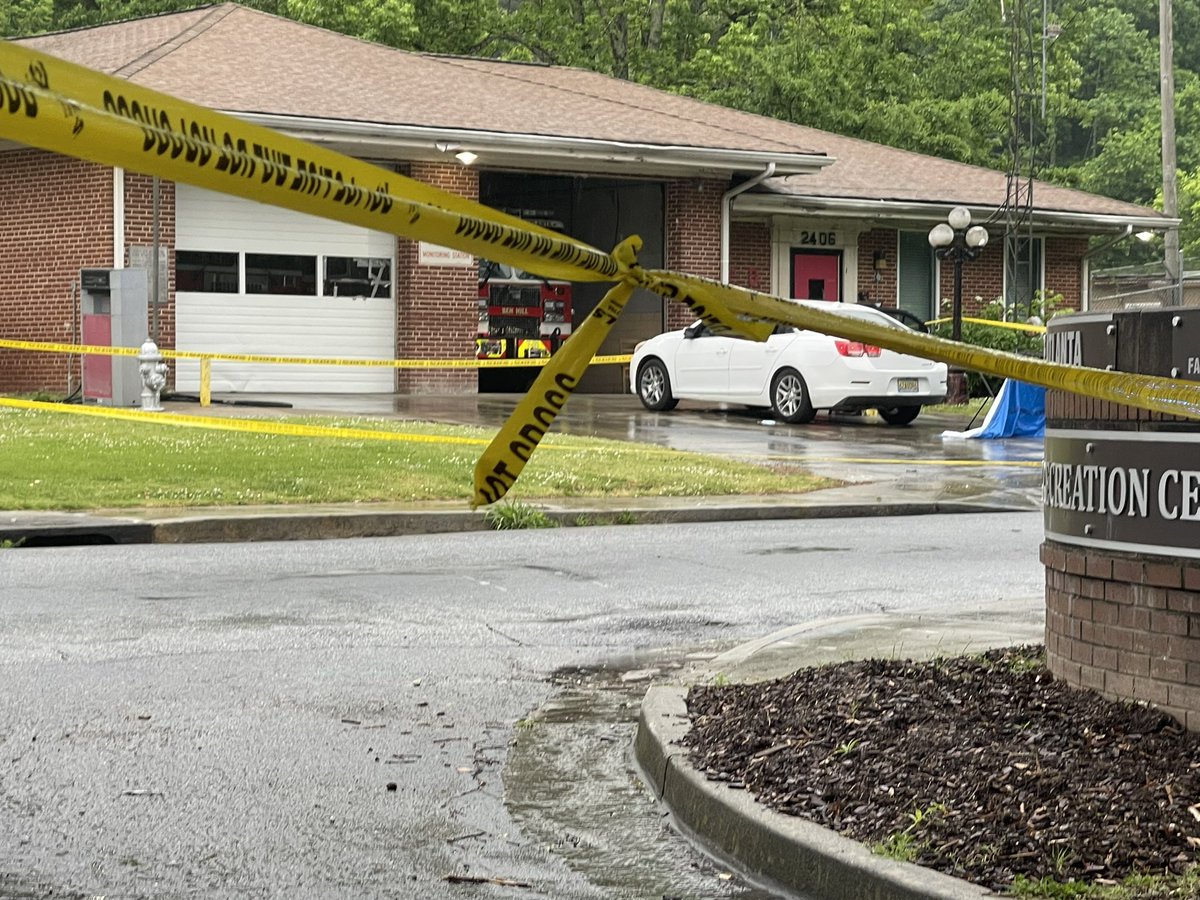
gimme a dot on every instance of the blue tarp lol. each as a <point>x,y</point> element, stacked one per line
<point>1019,410</point>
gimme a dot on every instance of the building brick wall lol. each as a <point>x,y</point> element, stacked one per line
<point>750,255</point>
<point>693,236</point>
<point>1064,269</point>
<point>883,291</point>
<point>437,308</point>
<point>1126,626</point>
<point>55,219</point>
<point>983,277</point>
<point>982,280</point>
<point>139,231</point>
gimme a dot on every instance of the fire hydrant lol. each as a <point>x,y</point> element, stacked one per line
<point>153,370</point>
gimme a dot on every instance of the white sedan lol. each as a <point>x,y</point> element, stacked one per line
<point>794,372</point>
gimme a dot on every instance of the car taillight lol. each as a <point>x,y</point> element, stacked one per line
<point>854,348</point>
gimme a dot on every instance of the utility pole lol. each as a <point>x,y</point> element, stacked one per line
<point>1166,67</point>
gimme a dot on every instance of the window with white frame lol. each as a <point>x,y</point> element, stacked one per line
<point>357,276</point>
<point>206,272</point>
<point>1023,273</point>
<point>222,272</point>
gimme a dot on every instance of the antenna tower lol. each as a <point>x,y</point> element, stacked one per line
<point>1028,39</point>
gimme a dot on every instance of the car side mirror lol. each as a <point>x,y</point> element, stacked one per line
<point>693,330</point>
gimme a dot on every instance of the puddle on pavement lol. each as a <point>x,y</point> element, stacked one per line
<point>570,784</point>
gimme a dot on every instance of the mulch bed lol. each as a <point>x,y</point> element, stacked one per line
<point>985,765</point>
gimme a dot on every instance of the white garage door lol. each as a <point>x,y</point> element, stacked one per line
<point>255,279</point>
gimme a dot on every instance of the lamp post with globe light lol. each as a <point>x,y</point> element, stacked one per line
<point>959,241</point>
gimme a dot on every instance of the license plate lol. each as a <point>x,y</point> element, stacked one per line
<point>906,385</point>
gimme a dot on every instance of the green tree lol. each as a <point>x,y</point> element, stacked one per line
<point>459,27</point>
<point>1189,211</point>
<point>25,16</point>
<point>390,22</point>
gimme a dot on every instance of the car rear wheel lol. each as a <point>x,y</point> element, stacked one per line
<point>789,398</point>
<point>899,415</point>
<point>654,387</point>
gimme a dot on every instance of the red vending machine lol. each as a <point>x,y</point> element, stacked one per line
<point>114,305</point>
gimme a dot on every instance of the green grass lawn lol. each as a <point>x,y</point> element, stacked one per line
<point>60,461</point>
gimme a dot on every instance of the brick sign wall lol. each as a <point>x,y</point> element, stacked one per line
<point>1121,501</point>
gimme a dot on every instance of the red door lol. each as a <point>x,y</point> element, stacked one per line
<point>816,275</point>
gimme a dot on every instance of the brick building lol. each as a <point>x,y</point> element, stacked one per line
<point>714,192</point>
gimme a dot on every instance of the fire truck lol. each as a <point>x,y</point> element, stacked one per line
<point>521,315</point>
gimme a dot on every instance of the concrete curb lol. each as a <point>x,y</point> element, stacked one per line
<point>34,529</point>
<point>790,853</point>
<point>311,526</point>
<point>56,529</point>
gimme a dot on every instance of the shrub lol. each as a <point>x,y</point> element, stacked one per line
<point>1045,305</point>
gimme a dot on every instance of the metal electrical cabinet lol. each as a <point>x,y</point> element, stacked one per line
<point>114,304</point>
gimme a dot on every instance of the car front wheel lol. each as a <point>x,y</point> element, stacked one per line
<point>654,387</point>
<point>899,415</point>
<point>789,398</point>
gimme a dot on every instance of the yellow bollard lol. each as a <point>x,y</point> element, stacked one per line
<point>206,382</point>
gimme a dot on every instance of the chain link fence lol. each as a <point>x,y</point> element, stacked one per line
<point>1142,287</point>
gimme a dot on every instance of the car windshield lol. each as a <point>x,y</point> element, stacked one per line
<point>849,310</point>
<point>490,269</point>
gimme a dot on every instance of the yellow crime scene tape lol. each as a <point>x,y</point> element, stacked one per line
<point>1014,326</point>
<point>288,429</point>
<point>101,350</point>
<point>501,464</point>
<point>72,110</point>
<point>261,426</point>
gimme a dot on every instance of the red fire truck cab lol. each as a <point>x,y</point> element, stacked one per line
<point>521,315</point>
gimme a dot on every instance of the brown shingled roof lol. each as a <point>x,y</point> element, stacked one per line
<point>867,171</point>
<point>237,59</point>
<point>240,60</point>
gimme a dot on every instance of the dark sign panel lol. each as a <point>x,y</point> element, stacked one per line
<point>1185,344</point>
<point>1082,339</point>
<point>1136,491</point>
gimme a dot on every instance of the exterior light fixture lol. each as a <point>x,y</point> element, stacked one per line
<point>466,157</point>
<point>879,263</point>
<point>957,240</point>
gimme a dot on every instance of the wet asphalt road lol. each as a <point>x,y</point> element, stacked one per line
<point>369,718</point>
